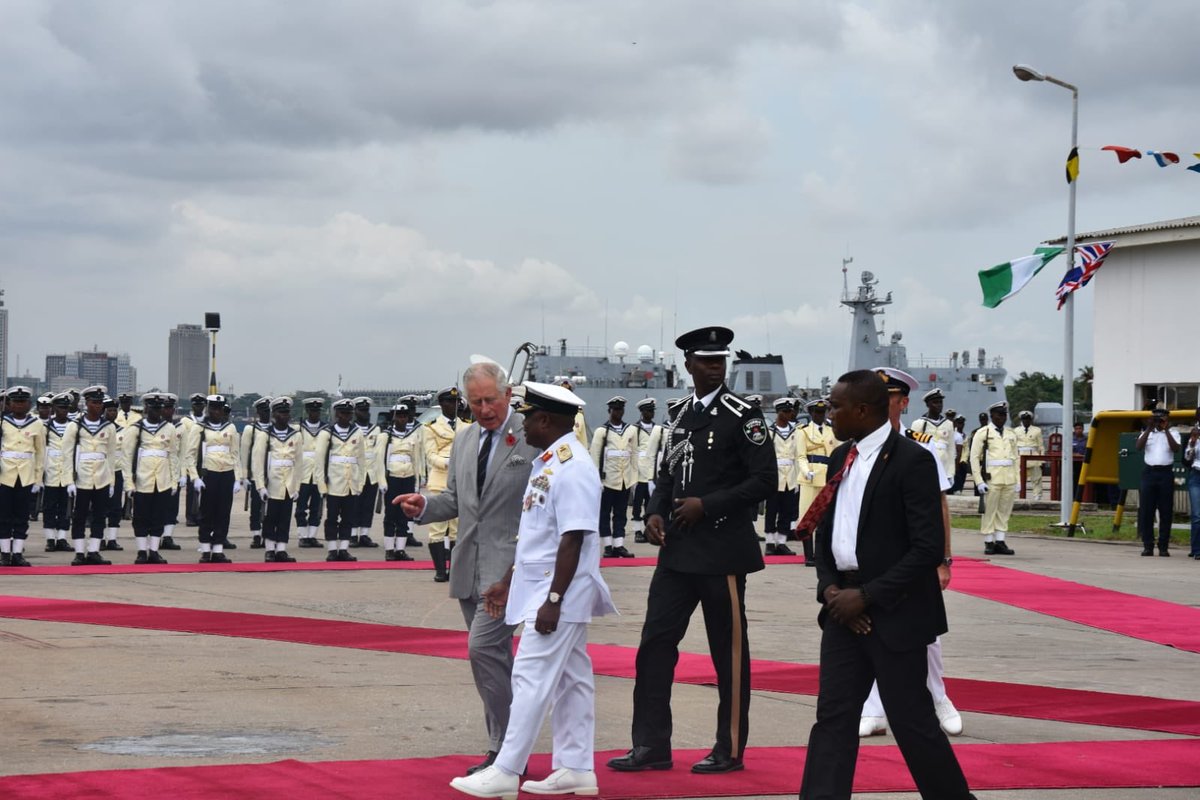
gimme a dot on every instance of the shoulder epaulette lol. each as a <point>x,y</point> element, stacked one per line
<point>735,404</point>
<point>923,438</point>
<point>564,452</point>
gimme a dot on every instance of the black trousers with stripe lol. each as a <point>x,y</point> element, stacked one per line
<point>672,599</point>
<point>308,506</point>
<point>394,521</point>
<point>277,519</point>
<point>91,506</point>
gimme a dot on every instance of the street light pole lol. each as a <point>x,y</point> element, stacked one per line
<point>1027,73</point>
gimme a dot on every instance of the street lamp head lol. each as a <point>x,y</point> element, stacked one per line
<point>1027,73</point>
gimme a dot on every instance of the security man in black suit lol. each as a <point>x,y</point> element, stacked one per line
<point>878,546</point>
<point>718,465</point>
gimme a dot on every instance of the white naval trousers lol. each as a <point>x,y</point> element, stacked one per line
<point>933,681</point>
<point>552,670</point>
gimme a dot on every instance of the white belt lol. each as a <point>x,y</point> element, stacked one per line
<point>310,453</point>
<point>784,462</point>
<point>617,453</point>
<point>216,448</point>
<point>401,458</point>
<point>15,454</point>
<point>92,456</point>
<point>282,462</point>
<point>940,445</point>
<point>1026,451</point>
<point>343,460</point>
<point>999,462</point>
<point>52,453</point>
<point>145,451</point>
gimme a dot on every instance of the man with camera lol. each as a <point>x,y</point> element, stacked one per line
<point>1158,445</point>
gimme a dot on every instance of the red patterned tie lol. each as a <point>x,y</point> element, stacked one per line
<point>820,503</point>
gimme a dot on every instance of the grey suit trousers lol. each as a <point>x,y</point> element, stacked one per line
<point>490,648</point>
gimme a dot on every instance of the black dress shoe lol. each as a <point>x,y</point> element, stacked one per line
<point>489,758</point>
<point>989,548</point>
<point>154,558</point>
<point>51,546</point>
<point>281,557</point>
<point>403,556</point>
<point>257,543</point>
<point>770,550</point>
<point>230,546</point>
<point>412,541</point>
<point>367,541</point>
<point>715,763</point>
<point>111,544</point>
<point>64,546</point>
<point>1148,551</point>
<point>333,556</point>
<point>141,558</point>
<point>18,560</point>
<point>621,552</point>
<point>1002,549</point>
<point>441,577</point>
<point>269,557</point>
<point>608,552</point>
<point>639,537</point>
<point>1164,552</point>
<point>784,550</point>
<point>206,558</point>
<point>168,543</point>
<point>79,560</point>
<point>344,555</point>
<point>640,759</point>
<point>221,558</point>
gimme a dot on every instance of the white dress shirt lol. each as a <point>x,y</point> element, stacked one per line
<point>1158,451</point>
<point>849,498</point>
<point>706,401</point>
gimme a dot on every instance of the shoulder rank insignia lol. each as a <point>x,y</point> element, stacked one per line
<point>923,438</point>
<point>735,404</point>
<point>755,430</point>
<point>564,452</point>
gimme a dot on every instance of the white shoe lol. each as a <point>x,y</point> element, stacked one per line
<point>490,782</point>
<point>872,726</point>
<point>948,717</point>
<point>565,781</point>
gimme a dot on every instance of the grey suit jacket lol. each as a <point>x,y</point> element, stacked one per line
<point>487,524</point>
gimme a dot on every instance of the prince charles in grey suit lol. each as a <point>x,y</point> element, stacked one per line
<point>489,513</point>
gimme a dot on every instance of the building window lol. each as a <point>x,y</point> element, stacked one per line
<point>764,381</point>
<point>749,380</point>
<point>1173,396</point>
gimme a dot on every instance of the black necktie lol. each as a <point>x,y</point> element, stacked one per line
<point>481,473</point>
<point>698,407</point>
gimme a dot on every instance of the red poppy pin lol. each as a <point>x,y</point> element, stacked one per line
<point>510,440</point>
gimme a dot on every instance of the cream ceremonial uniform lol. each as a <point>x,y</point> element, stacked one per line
<point>580,429</point>
<point>651,441</point>
<point>364,509</point>
<point>1029,443</point>
<point>90,450</point>
<point>22,462</point>
<point>56,476</point>
<point>815,444</point>
<point>256,503</point>
<point>152,475</point>
<point>341,472</point>
<point>994,451</point>
<point>614,451</point>
<point>399,463</point>
<point>783,504</point>
<point>941,433</point>
<point>214,458</point>
<point>438,438</point>
<point>277,463</point>
<point>563,495</point>
<point>185,425</point>
<point>127,418</point>
<point>308,505</point>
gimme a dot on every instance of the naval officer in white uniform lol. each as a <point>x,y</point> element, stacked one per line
<point>555,588</point>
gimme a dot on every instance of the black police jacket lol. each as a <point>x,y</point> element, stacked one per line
<point>723,456</point>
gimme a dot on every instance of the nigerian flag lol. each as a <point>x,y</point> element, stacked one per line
<point>1004,280</point>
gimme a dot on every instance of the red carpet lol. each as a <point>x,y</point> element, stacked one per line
<point>1016,700</point>
<point>1130,615</point>
<point>769,771</point>
<point>191,565</point>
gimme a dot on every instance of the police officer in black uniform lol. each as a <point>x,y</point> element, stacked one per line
<point>718,465</point>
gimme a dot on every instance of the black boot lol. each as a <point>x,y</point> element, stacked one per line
<point>79,560</point>
<point>257,542</point>
<point>141,558</point>
<point>412,541</point>
<point>437,550</point>
<point>154,558</point>
<point>168,543</point>
<point>810,559</point>
<point>96,559</point>
<point>111,544</point>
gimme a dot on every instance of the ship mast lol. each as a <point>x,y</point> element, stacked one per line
<point>866,344</point>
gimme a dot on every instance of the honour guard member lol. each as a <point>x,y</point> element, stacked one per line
<point>399,460</point>
<point>718,466</point>
<point>651,447</point>
<point>167,542</point>
<point>438,438</point>
<point>580,428</point>
<point>198,403</point>
<point>126,416</point>
<point>555,588</point>
<point>874,719</point>
<point>44,409</point>
<point>994,466</point>
<point>262,407</point>
<point>614,451</point>
<point>308,504</point>
<point>22,462</point>
<point>783,505</point>
<point>90,455</point>
<point>1029,443</point>
<point>813,449</point>
<point>277,461</point>
<point>153,468</point>
<point>939,427</point>
<point>214,466</point>
<point>116,504</point>
<point>364,513</point>
<point>56,477</point>
<point>43,413</point>
<point>341,460</point>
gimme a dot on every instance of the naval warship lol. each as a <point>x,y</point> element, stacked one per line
<point>969,386</point>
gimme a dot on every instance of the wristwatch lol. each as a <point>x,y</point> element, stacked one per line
<point>554,599</point>
<point>947,561</point>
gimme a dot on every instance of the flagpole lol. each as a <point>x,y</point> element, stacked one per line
<point>1027,73</point>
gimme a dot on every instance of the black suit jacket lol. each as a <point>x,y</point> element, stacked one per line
<point>723,456</point>
<point>901,542</point>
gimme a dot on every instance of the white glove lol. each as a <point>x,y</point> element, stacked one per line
<point>383,492</point>
<point>198,484</point>
<point>812,476</point>
<point>264,494</point>
<point>37,487</point>
<point>981,487</point>
<point>237,486</point>
<point>71,489</point>
<point>182,481</point>
<point>110,490</point>
<point>174,491</point>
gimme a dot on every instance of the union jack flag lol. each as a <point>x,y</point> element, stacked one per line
<point>1088,259</point>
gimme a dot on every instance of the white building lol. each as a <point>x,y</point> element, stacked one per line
<point>1147,295</point>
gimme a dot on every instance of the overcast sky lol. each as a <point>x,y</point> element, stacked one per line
<point>379,189</point>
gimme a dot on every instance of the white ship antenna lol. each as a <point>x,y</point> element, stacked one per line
<point>847,261</point>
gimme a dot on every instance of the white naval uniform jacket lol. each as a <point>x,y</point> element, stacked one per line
<point>22,450</point>
<point>152,456</point>
<point>57,463</point>
<point>400,454</point>
<point>93,457</point>
<point>439,438</point>
<point>341,461</point>
<point>214,448</point>
<point>787,456</point>
<point>277,461</point>
<point>615,454</point>
<point>941,432</point>
<point>563,495</point>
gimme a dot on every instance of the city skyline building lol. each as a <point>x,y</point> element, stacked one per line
<point>88,367</point>
<point>187,360</point>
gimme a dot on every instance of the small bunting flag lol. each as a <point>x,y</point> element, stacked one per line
<point>1073,165</point>
<point>1163,158</point>
<point>1123,153</point>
